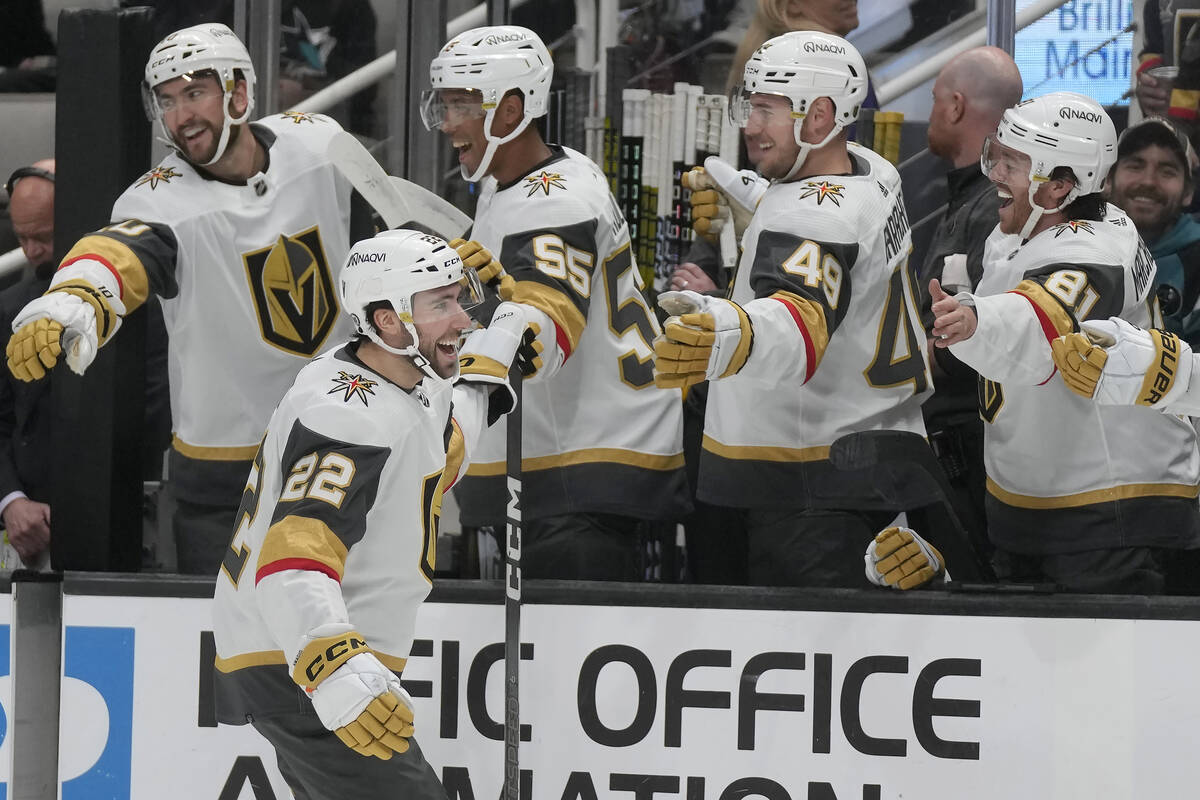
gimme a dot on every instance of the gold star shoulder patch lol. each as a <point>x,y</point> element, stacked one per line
<point>1074,226</point>
<point>159,174</point>
<point>300,116</point>
<point>543,181</point>
<point>823,190</point>
<point>353,386</point>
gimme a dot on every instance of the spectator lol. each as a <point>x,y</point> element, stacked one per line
<point>27,61</point>
<point>969,97</point>
<point>1152,182</point>
<point>1086,496</point>
<point>1177,97</point>
<point>807,348</point>
<point>25,411</point>
<point>774,17</point>
<point>239,230</point>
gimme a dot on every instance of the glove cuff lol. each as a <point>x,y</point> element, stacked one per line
<point>1170,371</point>
<point>322,656</point>
<point>109,310</point>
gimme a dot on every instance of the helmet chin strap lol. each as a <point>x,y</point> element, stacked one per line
<point>806,148</point>
<point>411,352</point>
<point>494,142</point>
<point>1036,210</point>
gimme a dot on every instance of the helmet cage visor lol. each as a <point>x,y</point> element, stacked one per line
<point>1001,163</point>
<point>437,304</point>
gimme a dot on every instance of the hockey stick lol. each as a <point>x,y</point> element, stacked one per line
<point>910,477</point>
<point>512,597</point>
<point>401,203</point>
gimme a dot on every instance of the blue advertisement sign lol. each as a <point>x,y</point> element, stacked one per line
<point>1079,47</point>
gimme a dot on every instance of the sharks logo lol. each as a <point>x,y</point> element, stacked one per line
<point>293,292</point>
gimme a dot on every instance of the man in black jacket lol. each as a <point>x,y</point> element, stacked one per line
<point>969,97</point>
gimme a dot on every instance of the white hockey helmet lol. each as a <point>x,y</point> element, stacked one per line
<point>492,60</point>
<point>1060,129</point>
<point>393,267</point>
<point>804,66</point>
<point>209,46</point>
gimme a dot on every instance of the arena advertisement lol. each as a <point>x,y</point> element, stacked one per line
<point>657,703</point>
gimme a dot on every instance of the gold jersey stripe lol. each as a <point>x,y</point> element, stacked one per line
<point>135,287</point>
<point>594,455</point>
<point>765,453</point>
<point>1125,492</point>
<point>267,658</point>
<point>201,453</point>
<point>814,329</point>
<point>455,451</point>
<point>555,304</point>
<point>1048,305</point>
<point>302,538</point>
<point>242,661</point>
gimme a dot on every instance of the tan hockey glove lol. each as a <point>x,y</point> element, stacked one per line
<point>1119,364</point>
<point>900,558</point>
<point>705,337</point>
<point>721,194</point>
<point>354,694</point>
<point>491,272</point>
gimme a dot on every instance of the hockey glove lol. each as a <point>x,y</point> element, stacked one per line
<point>62,320</point>
<point>355,695</point>
<point>900,558</point>
<point>721,193</point>
<point>487,354</point>
<point>1119,364</point>
<point>491,272</point>
<point>705,337</point>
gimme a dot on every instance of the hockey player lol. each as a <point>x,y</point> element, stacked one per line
<point>317,595</point>
<point>1079,494</point>
<point>602,447</point>
<point>820,337</point>
<point>239,231</point>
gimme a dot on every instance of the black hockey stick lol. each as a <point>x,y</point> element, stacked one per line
<point>512,597</point>
<point>908,475</point>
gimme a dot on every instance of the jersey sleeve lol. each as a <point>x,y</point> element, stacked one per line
<point>555,272</point>
<point>140,257</point>
<point>327,489</point>
<point>1014,331</point>
<point>802,288</point>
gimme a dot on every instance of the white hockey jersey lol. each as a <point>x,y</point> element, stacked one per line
<point>838,345</point>
<point>598,436</point>
<point>1066,474</point>
<point>347,485</point>
<point>247,275</point>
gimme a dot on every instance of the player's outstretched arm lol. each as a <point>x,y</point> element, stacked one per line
<point>1117,363</point>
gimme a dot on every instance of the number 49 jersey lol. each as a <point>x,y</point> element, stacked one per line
<point>824,272</point>
<point>598,436</point>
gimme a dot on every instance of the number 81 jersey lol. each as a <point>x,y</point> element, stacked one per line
<point>824,273</point>
<point>598,436</point>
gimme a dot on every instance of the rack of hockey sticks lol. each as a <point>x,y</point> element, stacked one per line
<point>662,137</point>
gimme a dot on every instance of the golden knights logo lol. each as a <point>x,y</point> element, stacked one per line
<point>824,190</point>
<point>293,293</point>
<point>544,180</point>
<point>158,175</point>
<point>1074,226</point>
<point>353,386</point>
<point>299,116</point>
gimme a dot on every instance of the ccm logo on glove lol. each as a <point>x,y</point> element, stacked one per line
<point>325,655</point>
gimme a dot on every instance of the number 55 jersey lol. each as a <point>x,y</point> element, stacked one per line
<point>598,436</point>
<point>824,272</point>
